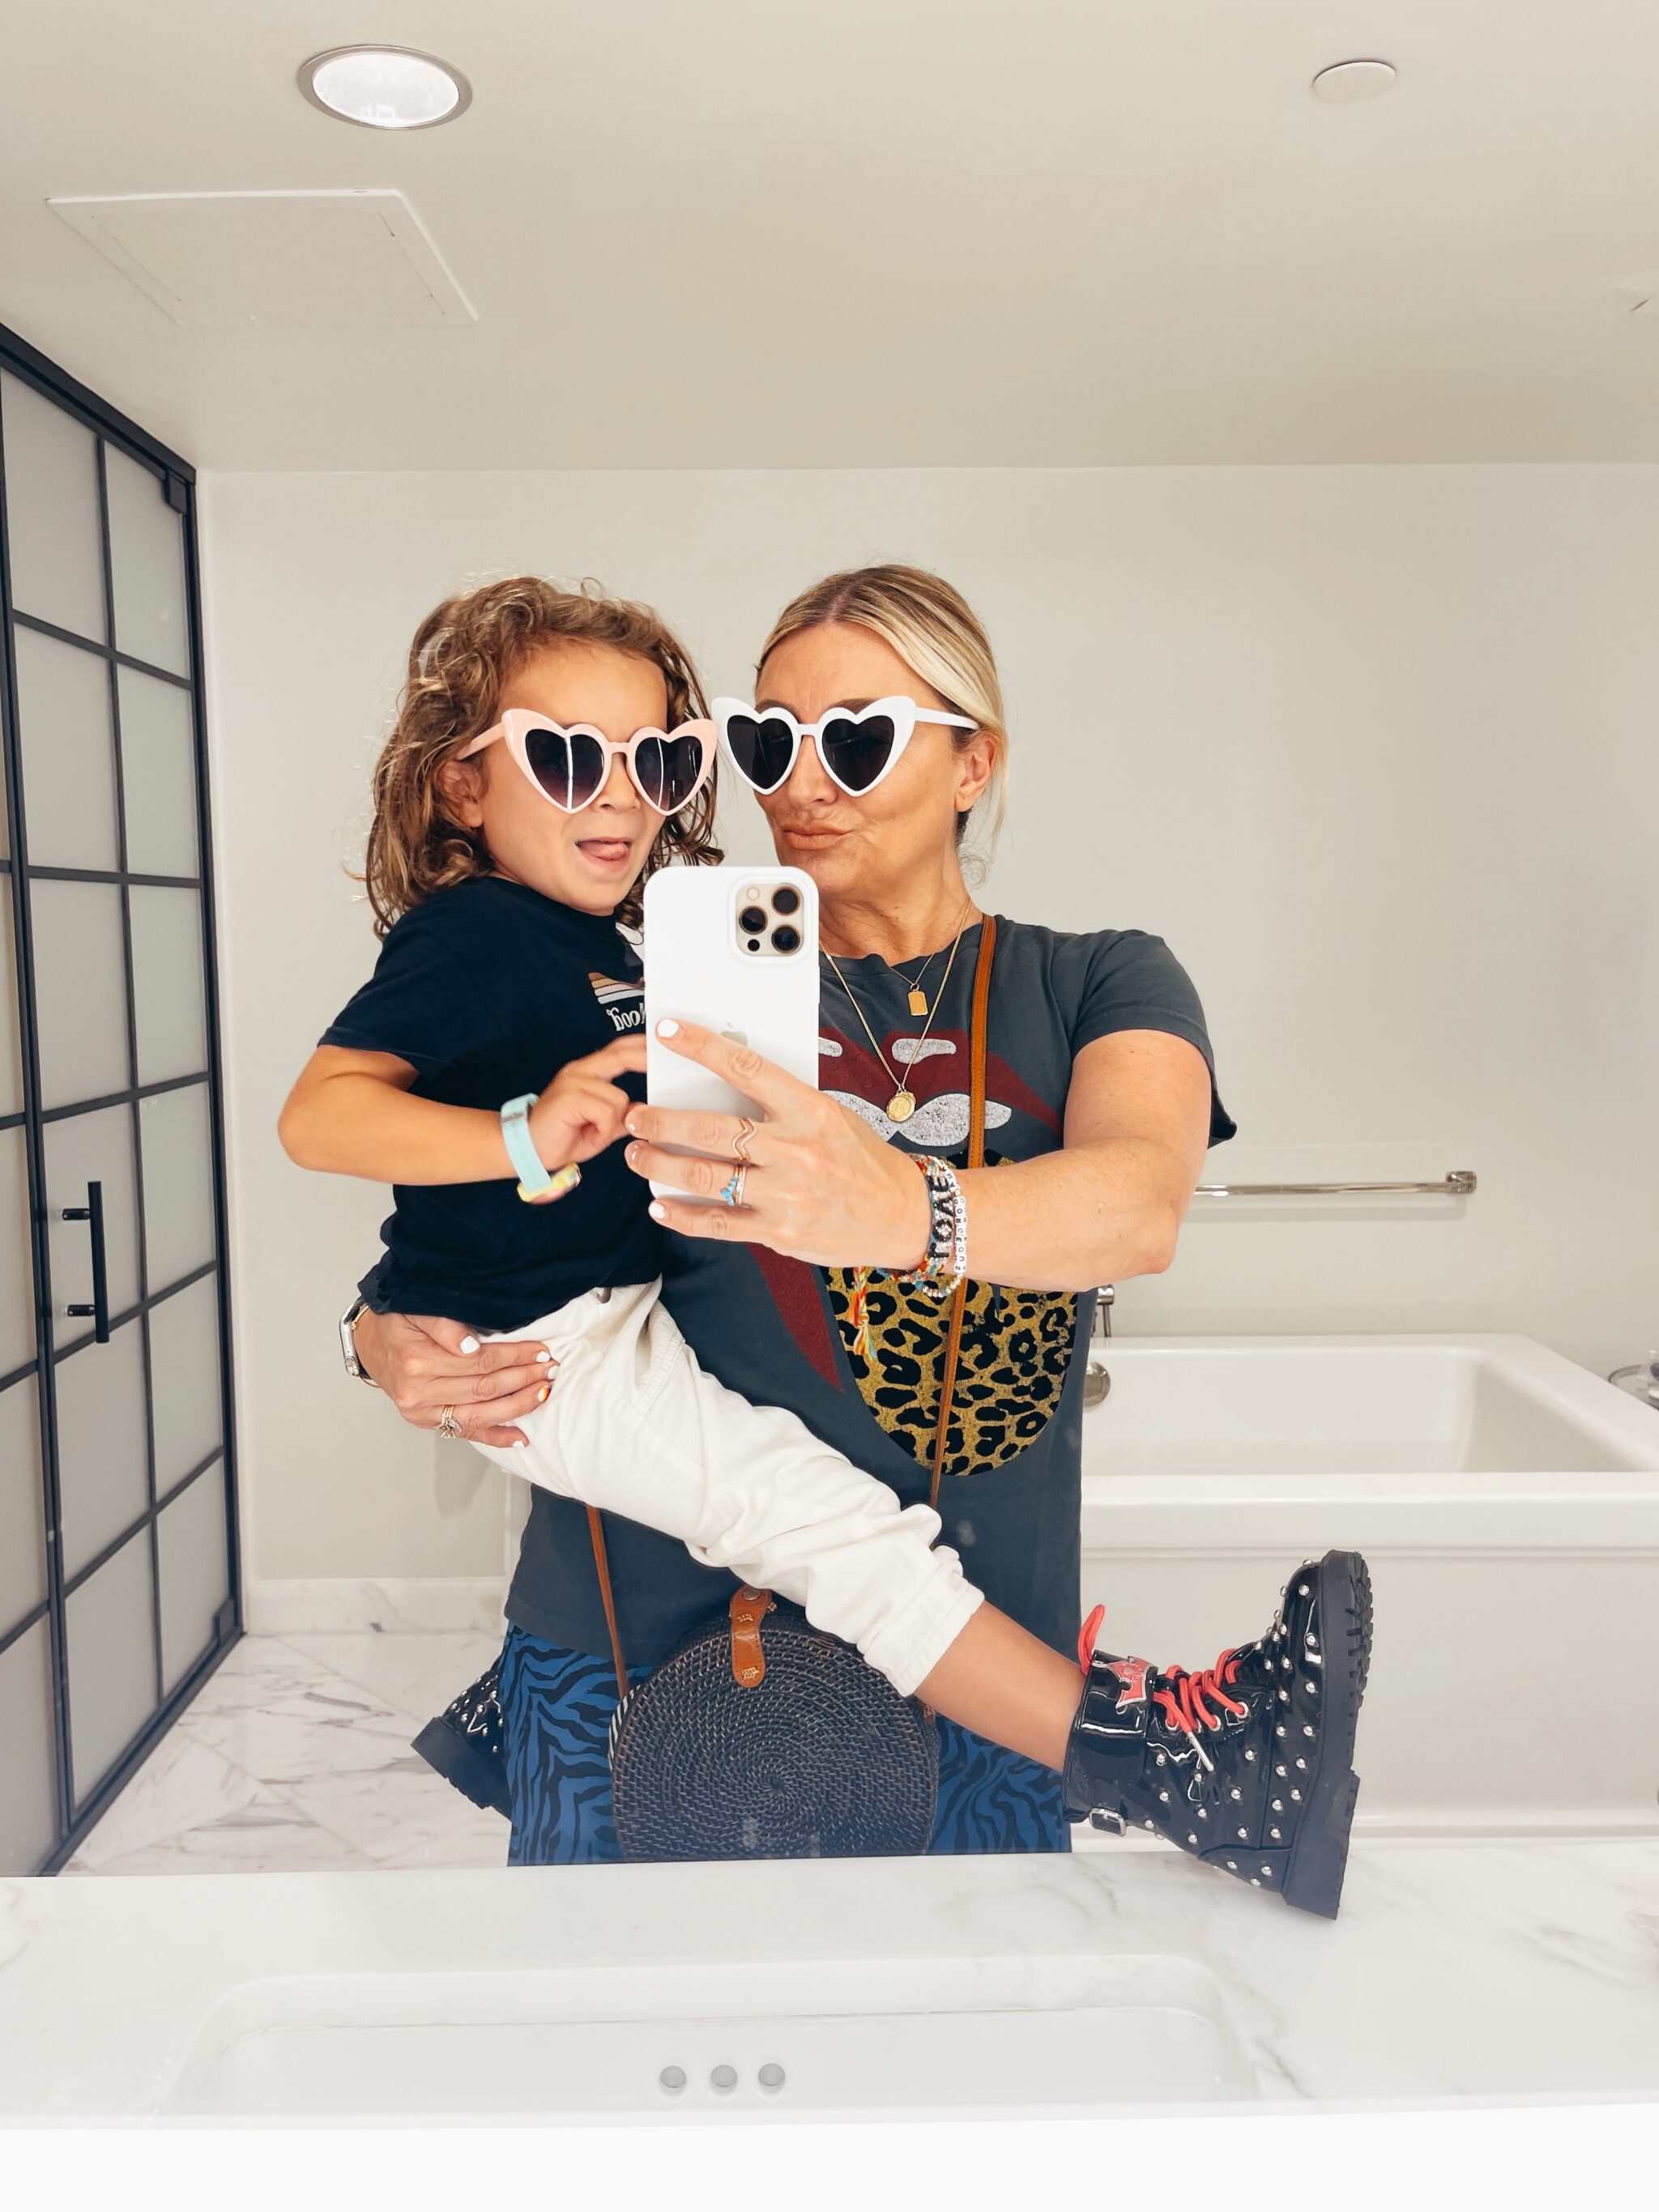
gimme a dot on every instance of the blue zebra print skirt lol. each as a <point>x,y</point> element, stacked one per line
<point>555,1710</point>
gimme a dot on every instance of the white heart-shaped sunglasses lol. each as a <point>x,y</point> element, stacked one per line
<point>857,746</point>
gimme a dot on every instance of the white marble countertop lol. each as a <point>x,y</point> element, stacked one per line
<point>1460,1970</point>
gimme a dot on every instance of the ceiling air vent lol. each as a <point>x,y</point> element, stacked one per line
<point>237,260</point>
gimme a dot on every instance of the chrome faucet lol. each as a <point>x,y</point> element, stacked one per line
<point>1642,1380</point>
<point>1096,1376</point>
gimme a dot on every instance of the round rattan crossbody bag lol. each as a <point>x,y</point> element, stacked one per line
<point>761,1737</point>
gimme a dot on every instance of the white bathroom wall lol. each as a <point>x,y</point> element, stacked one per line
<point>1373,748</point>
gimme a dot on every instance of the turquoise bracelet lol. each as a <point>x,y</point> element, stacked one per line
<point>536,1185</point>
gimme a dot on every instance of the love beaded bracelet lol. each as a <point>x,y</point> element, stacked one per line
<point>944,1261</point>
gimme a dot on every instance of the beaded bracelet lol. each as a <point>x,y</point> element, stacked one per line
<point>945,1262</point>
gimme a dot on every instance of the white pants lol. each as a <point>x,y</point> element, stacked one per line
<point>634,1426</point>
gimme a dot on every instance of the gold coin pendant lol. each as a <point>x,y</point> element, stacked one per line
<point>900,1106</point>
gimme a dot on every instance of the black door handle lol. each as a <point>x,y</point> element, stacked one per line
<point>92,1214</point>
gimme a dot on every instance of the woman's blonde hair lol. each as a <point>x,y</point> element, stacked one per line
<point>933,629</point>
<point>462,658</point>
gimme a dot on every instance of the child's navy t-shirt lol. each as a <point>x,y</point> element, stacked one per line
<point>488,989</point>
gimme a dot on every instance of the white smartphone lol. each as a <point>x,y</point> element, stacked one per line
<point>736,950</point>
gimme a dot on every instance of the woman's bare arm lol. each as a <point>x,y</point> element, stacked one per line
<point>825,1188</point>
<point>1108,1205</point>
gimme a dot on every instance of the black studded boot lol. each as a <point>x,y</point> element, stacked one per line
<point>467,1743</point>
<point>1247,1764</point>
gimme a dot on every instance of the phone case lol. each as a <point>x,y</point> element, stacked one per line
<point>696,968</point>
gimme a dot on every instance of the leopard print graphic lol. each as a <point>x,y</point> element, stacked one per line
<point>1016,1352</point>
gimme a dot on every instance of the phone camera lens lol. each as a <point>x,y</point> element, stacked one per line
<point>786,898</point>
<point>752,921</point>
<point>785,940</point>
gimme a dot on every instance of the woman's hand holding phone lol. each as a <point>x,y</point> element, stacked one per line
<point>822,1186</point>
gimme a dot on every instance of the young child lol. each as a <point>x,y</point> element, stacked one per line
<point>549,752</point>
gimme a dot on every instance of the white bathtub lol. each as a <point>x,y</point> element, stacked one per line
<point>1508,1502</point>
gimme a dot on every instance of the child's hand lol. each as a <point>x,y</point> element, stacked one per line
<point>581,1111</point>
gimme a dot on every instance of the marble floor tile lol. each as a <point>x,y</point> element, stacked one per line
<point>317,1724</point>
<point>285,1762</point>
<point>405,1816</point>
<point>189,1811</point>
<point>413,1674</point>
<point>257,1674</point>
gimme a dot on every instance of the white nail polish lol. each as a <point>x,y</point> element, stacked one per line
<point>668,1028</point>
<point>543,1358</point>
<point>469,1344</point>
<point>658,1212</point>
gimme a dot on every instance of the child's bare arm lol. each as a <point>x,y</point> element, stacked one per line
<point>351,1114</point>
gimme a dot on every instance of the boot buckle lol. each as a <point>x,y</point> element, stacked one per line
<point>1107,1823</point>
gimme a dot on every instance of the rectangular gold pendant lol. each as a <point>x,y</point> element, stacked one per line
<point>918,1004</point>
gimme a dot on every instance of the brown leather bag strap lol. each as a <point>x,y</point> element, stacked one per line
<point>608,1597</point>
<point>981,1023</point>
<point>749,1609</point>
<point>976,1042</point>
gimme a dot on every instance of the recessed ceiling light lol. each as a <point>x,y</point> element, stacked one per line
<point>1354,80</point>
<point>385,87</point>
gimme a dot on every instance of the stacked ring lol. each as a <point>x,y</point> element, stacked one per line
<point>732,1193</point>
<point>740,1142</point>
<point>448,1426</point>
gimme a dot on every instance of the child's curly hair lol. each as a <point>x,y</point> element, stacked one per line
<point>462,656</point>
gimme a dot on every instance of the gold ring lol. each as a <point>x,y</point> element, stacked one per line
<point>740,1142</point>
<point>447,1425</point>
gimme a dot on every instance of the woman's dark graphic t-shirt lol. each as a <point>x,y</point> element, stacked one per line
<point>487,989</point>
<point>780,1332</point>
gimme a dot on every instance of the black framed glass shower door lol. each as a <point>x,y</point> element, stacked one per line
<point>117,1521</point>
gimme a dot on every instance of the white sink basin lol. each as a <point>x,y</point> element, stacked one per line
<point>842,2040</point>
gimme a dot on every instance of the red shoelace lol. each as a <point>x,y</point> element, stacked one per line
<point>1185,1699</point>
<point>1188,1699</point>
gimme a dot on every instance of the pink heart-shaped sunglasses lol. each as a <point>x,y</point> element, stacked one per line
<point>571,766</point>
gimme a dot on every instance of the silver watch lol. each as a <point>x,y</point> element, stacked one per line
<point>349,1320</point>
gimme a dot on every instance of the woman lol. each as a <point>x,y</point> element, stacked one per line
<point>1100,1104</point>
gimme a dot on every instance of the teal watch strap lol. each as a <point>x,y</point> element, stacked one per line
<point>533,1177</point>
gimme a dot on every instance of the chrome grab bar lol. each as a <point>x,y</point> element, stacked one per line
<point>1458,1184</point>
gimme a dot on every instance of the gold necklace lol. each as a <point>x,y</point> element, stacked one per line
<point>902,1103</point>
<point>918,997</point>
